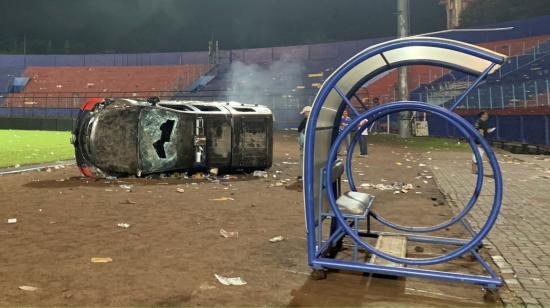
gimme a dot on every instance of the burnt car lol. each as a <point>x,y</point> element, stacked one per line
<point>124,137</point>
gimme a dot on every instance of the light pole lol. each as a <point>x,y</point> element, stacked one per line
<point>402,86</point>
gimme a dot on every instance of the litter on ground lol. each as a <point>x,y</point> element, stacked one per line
<point>260,174</point>
<point>101,260</point>
<point>223,199</point>
<point>230,281</point>
<point>228,234</point>
<point>28,288</point>
<point>276,239</point>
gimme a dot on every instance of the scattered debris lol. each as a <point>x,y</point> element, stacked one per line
<point>230,281</point>
<point>260,174</point>
<point>289,163</point>
<point>276,239</point>
<point>421,165</point>
<point>67,294</point>
<point>128,201</point>
<point>228,234</point>
<point>418,249</point>
<point>12,220</point>
<point>222,199</point>
<point>126,187</point>
<point>383,187</point>
<point>17,166</point>
<point>101,260</point>
<point>123,225</point>
<point>214,171</point>
<point>28,288</point>
<point>180,190</point>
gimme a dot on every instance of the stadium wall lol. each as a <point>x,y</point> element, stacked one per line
<point>524,128</point>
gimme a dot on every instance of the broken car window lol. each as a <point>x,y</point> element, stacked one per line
<point>157,136</point>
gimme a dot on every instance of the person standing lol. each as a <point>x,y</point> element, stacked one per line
<point>297,185</point>
<point>345,121</point>
<point>363,148</point>
<point>482,126</point>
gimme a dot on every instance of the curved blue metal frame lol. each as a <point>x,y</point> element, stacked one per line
<point>453,220</point>
<point>460,123</point>
<point>314,257</point>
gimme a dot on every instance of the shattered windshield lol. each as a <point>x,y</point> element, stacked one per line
<point>157,140</point>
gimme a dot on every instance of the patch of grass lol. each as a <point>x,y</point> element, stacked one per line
<point>422,143</point>
<point>23,147</point>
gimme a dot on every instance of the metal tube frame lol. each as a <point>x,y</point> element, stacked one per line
<point>458,217</point>
<point>344,228</point>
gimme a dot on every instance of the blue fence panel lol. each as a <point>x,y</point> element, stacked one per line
<point>509,128</point>
<point>40,60</point>
<point>535,129</point>
<point>12,61</point>
<point>199,57</point>
<point>69,60</point>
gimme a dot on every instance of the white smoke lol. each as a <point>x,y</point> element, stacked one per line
<point>264,84</point>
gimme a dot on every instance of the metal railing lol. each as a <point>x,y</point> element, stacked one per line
<point>520,94</point>
<point>285,107</point>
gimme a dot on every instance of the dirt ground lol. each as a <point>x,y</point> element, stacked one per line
<point>172,249</point>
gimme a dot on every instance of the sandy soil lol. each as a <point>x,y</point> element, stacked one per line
<point>172,249</point>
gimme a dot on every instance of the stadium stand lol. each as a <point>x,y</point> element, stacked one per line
<point>422,78</point>
<point>61,82</point>
<point>6,77</point>
<point>68,87</point>
<point>521,82</point>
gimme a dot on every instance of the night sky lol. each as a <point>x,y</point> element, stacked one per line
<point>76,26</point>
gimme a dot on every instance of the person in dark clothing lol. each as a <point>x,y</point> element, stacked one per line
<point>302,126</point>
<point>301,139</point>
<point>482,125</point>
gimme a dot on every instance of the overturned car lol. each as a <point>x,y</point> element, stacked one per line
<point>124,137</point>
